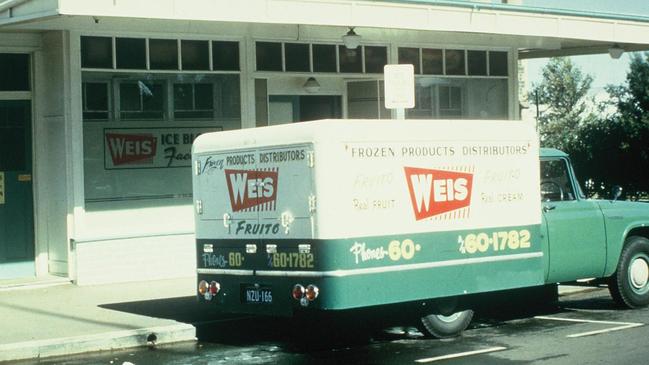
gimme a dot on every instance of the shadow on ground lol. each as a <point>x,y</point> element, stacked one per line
<point>351,328</point>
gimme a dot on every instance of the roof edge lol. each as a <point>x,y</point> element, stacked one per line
<point>526,9</point>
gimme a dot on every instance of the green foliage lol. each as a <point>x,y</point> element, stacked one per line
<point>615,150</point>
<point>563,92</point>
<point>606,150</point>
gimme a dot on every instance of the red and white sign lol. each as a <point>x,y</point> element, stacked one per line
<point>250,189</point>
<point>434,192</point>
<point>146,148</point>
<point>131,148</point>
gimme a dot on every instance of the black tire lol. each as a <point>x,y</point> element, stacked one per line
<point>440,326</point>
<point>629,285</point>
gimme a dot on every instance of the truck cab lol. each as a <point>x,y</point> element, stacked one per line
<point>591,238</point>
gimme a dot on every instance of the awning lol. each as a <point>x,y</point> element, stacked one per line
<point>534,32</point>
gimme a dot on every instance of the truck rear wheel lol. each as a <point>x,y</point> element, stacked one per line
<point>629,286</point>
<point>441,326</point>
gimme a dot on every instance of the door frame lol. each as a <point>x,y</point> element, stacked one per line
<point>40,265</point>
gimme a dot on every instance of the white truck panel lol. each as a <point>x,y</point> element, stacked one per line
<point>372,178</point>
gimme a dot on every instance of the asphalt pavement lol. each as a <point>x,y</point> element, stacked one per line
<point>56,318</point>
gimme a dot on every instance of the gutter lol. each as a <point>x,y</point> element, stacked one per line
<point>523,9</point>
<point>8,4</point>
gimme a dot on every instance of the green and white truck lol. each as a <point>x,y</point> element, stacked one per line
<point>340,214</point>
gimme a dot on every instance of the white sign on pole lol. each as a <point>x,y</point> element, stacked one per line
<point>399,86</point>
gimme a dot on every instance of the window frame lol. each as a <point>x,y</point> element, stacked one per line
<point>420,70</point>
<point>337,47</point>
<point>576,191</point>
<point>148,68</point>
<point>109,91</point>
<point>174,110</point>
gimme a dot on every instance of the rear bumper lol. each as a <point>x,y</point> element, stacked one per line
<point>240,294</point>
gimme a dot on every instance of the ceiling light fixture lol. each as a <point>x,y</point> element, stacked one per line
<point>351,39</point>
<point>311,85</point>
<point>616,51</point>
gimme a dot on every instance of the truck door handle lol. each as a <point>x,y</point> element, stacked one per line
<point>547,208</point>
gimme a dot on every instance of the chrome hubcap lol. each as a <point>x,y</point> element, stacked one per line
<point>639,272</point>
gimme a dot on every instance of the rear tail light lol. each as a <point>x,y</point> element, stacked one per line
<point>298,292</point>
<point>305,295</point>
<point>215,288</point>
<point>312,292</point>
<point>208,290</point>
<point>203,286</point>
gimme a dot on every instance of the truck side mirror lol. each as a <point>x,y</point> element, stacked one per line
<point>616,192</point>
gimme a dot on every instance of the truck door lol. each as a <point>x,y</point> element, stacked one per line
<point>227,186</point>
<point>261,193</point>
<point>292,193</point>
<point>574,226</point>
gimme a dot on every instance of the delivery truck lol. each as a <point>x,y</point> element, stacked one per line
<point>333,215</point>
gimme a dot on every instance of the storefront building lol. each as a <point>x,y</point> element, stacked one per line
<point>100,101</point>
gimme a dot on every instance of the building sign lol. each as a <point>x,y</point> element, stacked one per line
<point>142,148</point>
<point>399,86</point>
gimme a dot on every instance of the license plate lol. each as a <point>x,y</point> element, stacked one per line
<point>258,295</point>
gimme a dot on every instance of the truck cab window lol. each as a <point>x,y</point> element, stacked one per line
<point>555,181</point>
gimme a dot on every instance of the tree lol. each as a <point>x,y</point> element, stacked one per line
<point>562,92</point>
<point>615,150</point>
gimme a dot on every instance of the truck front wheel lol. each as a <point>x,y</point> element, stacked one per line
<point>629,286</point>
<point>441,326</point>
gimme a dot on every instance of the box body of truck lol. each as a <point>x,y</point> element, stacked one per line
<point>366,212</point>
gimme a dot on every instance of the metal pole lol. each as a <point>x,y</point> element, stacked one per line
<point>536,97</point>
<point>401,114</point>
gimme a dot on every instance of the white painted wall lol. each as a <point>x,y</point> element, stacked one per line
<point>51,159</point>
<point>137,259</point>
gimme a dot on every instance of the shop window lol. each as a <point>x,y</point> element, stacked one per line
<point>410,56</point>
<point>432,61</point>
<point>193,101</point>
<point>269,56</point>
<point>225,56</point>
<point>365,100</point>
<point>437,97</point>
<point>455,62</point>
<point>14,72</point>
<point>425,104</point>
<point>195,55</point>
<point>96,52</point>
<point>284,109</point>
<point>324,58</point>
<point>163,54</point>
<point>131,53</point>
<point>375,59</point>
<point>95,100</point>
<point>498,63</point>
<point>351,60</point>
<point>477,62</point>
<point>141,100</point>
<point>450,101</point>
<point>138,158</point>
<point>296,56</point>
<point>305,57</point>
